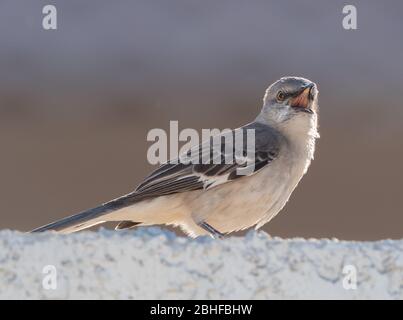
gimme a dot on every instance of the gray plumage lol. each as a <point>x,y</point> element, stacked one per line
<point>216,197</point>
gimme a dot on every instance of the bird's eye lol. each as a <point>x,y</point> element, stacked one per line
<point>280,96</point>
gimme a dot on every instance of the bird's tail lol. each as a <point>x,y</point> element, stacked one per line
<point>85,219</point>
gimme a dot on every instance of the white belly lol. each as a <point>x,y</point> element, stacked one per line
<point>247,201</point>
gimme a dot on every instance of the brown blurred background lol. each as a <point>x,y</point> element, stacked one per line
<point>76,103</point>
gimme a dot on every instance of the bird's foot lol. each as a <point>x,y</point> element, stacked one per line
<point>211,230</point>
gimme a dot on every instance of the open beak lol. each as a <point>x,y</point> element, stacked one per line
<point>302,101</point>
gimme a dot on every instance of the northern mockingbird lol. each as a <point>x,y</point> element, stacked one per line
<point>216,199</point>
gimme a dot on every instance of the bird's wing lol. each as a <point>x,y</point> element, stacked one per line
<point>181,176</point>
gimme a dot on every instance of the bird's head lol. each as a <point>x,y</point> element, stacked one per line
<point>288,98</point>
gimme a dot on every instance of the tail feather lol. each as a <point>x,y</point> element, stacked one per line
<point>85,219</point>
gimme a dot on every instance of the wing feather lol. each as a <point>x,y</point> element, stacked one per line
<point>176,176</point>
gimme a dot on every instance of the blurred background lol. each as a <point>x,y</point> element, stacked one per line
<point>76,103</point>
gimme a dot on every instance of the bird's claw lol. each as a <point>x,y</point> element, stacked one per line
<point>211,230</point>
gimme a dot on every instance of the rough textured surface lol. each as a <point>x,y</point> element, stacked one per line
<point>150,263</point>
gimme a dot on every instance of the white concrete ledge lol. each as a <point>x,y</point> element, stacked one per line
<point>153,264</point>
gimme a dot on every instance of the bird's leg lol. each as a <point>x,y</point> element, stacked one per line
<point>212,231</point>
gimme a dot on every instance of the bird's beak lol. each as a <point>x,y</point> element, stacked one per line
<point>302,101</point>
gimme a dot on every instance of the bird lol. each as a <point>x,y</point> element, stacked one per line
<point>215,198</point>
